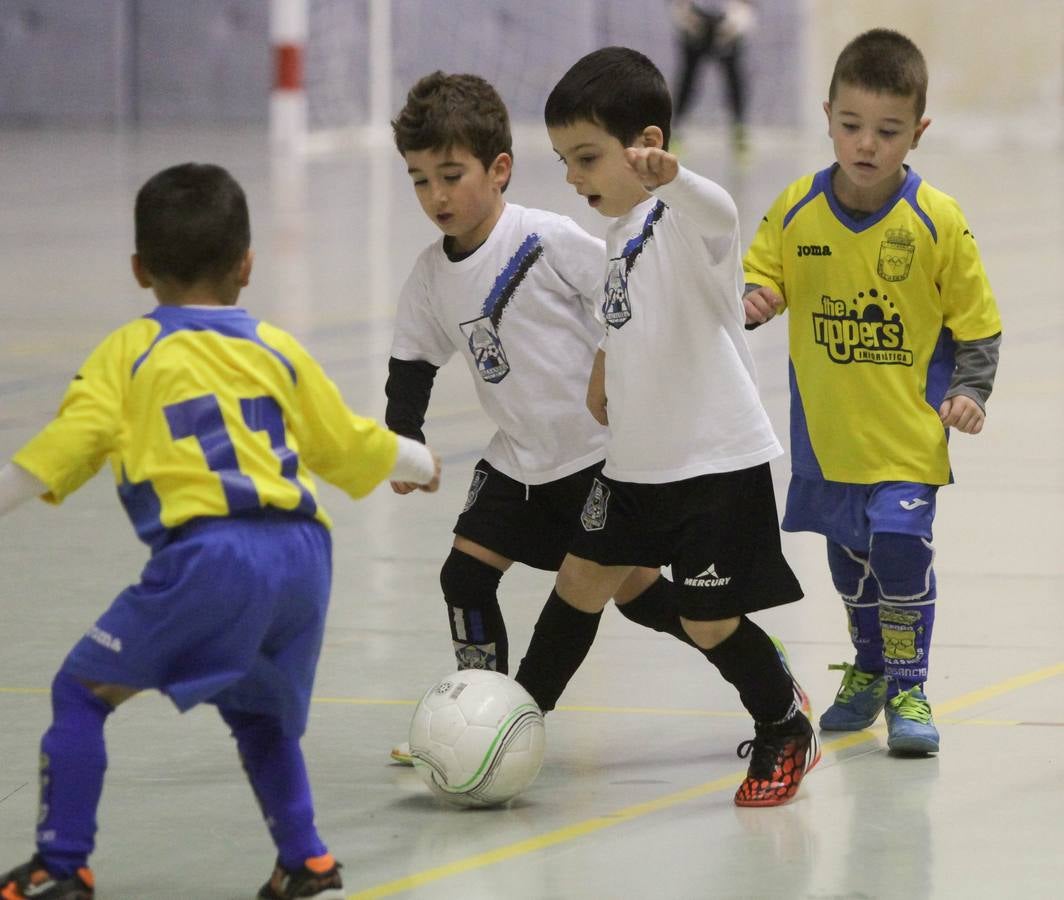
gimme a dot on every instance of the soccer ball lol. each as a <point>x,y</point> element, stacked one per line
<point>477,738</point>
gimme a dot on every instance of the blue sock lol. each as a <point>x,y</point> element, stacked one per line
<point>866,634</point>
<point>278,775</point>
<point>73,762</point>
<point>852,575</point>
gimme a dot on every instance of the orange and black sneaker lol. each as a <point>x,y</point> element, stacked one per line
<point>32,881</point>
<point>780,757</point>
<point>318,877</point>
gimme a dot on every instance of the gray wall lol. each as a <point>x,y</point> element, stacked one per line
<point>200,61</point>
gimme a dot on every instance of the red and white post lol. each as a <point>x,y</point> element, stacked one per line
<point>288,99</point>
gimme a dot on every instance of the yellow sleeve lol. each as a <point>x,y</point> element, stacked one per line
<point>350,451</point>
<point>763,263</point>
<point>968,305</point>
<point>76,443</point>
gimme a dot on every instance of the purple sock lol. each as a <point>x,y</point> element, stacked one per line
<point>278,775</point>
<point>73,762</point>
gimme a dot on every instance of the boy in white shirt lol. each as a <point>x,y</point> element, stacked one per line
<point>513,291</point>
<point>686,480</point>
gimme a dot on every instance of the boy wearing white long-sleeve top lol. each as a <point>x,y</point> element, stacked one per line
<point>686,480</point>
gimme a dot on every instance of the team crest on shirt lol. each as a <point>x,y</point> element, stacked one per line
<point>615,308</point>
<point>867,329</point>
<point>896,254</point>
<point>593,518</point>
<point>486,347</point>
<point>479,477</point>
<point>482,333</point>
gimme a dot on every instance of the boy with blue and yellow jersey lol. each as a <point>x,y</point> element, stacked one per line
<point>212,422</point>
<point>894,337</point>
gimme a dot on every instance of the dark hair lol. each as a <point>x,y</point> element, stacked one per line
<point>191,223</point>
<point>883,61</point>
<point>444,111</point>
<point>619,89</point>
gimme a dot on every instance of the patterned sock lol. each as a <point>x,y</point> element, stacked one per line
<point>478,631</point>
<point>853,579</point>
<point>275,767</point>
<point>73,763</point>
<point>748,660</point>
<point>561,639</point>
<point>906,642</point>
<point>865,632</point>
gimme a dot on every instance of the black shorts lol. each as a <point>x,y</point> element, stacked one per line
<point>720,533</point>
<point>530,524</point>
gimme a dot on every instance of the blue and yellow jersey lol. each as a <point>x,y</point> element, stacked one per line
<point>207,412</point>
<point>876,305</point>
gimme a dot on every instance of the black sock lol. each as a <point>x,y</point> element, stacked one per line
<point>748,660</point>
<point>560,641</point>
<point>657,608</point>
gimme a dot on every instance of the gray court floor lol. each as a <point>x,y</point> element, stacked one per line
<point>634,800</point>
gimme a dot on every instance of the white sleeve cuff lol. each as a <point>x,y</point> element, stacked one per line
<point>17,486</point>
<point>414,463</point>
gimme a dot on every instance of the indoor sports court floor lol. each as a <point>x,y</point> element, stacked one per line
<point>634,800</point>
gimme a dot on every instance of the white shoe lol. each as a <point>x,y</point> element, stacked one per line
<point>401,754</point>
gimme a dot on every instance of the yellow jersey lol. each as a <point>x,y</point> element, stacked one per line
<point>876,305</point>
<point>207,412</point>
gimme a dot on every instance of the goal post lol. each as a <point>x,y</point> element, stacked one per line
<point>332,73</point>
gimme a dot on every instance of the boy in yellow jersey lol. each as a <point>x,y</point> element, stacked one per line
<point>894,338</point>
<point>212,422</point>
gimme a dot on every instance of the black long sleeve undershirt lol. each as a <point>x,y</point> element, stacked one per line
<point>408,389</point>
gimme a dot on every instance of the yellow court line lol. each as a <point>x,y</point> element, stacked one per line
<point>590,826</point>
<point>616,710</point>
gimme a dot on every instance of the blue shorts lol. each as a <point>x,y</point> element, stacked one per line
<point>850,514</point>
<point>229,612</point>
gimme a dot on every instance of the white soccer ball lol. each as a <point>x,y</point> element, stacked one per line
<point>477,738</point>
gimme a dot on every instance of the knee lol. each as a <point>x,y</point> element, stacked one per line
<point>708,635</point>
<point>586,585</point>
<point>903,566</point>
<point>466,581</point>
<point>850,571</point>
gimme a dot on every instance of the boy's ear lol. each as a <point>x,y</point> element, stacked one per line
<point>827,112</point>
<point>919,133</point>
<point>142,275</point>
<point>651,136</point>
<point>501,168</point>
<point>244,273</point>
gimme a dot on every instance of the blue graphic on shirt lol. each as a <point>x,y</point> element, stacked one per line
<point>616,307</point>
<point>482,333</point>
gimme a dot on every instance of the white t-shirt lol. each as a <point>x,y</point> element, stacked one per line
<point>521,312</point>
<point>680,381</point>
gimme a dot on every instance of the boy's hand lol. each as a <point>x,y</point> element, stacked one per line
<point>408,487</point>
<point>596,389</point>
<point>654,166</point>
<point>962,413</point>
<point>761,304</point>
<point>433,485</point>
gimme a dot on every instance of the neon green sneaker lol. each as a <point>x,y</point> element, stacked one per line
<point>858,703</point>
<point>910,728</point>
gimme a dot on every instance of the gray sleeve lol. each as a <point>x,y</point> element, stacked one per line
<point>976,365</point>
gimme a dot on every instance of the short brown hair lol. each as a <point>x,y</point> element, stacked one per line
<point>883,61</point>
<point>444,111</point>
